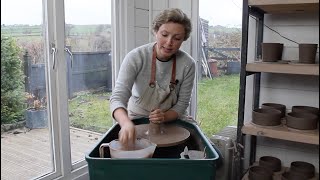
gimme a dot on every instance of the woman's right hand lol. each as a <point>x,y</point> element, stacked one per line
<point>127,133</point>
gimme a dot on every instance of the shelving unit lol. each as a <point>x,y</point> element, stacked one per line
<point>258,8</point>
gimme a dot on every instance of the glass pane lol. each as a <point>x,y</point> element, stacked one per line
<point>218,83</point>
<point>25,139</point>
<point>88,40</point>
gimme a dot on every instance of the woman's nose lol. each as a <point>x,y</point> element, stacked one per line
<point>169,41</point>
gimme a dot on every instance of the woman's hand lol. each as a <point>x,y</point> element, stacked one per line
<point>127,133</point>
<point>157,116</point>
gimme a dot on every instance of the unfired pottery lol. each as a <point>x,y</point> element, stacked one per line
<point>266,117</point>
<point>301,167</point>
<point>260,173</point>
<point>271,52</point>
<point>270,162</point>
<point>277,106</point>
<point>292,176</point>
<point>303,109</point>
<point>302,121</point>
<point>307,53</point>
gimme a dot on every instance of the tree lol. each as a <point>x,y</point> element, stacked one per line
<point>12,89</point>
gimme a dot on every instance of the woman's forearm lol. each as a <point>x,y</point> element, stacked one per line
<point>121,116</point>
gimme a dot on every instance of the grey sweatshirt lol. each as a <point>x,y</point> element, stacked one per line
<point>135,74</point>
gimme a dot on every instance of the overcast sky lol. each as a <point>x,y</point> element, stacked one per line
<point>217,12</point>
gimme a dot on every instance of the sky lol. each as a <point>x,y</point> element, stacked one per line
<point>217,12</point>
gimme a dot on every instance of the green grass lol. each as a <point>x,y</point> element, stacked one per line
<point>218,103</point>
<point>90,111</point>
<point>217,106</point>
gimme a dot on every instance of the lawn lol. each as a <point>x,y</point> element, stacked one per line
<point>217,106</point>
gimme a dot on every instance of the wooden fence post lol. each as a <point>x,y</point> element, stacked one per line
<point>26,70</point>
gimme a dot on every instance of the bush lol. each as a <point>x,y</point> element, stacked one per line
<point>12,79</point>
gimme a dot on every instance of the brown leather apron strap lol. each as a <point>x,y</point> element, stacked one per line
<point>153,69</point>
<point>173,81</point>
<point>173,75</point>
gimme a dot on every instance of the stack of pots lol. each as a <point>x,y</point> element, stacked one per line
<point>300,117</point>
<point>299,170</point>
<point>269,114</point>
<point>303,118</point>
<point>268,165</point>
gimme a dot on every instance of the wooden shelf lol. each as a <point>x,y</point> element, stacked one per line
<point>302,69</point>
<point>282,132</point>
<point>285,6</point>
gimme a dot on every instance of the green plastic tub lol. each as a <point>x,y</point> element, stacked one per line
<point>165,163</point>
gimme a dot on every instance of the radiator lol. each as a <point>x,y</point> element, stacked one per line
<point>225,141</point>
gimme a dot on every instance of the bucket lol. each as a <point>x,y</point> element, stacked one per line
<point>142,148</point>
<point>307,53</point>
<point>271,52</point>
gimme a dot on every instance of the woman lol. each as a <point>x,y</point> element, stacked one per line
<point>155,80</point>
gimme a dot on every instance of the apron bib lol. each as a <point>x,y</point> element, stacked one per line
<point>154,96</point>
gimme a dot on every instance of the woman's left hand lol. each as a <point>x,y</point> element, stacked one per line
<point>157,116</point>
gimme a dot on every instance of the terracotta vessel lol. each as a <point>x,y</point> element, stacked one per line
<point>301,167</point>
<point>277,106</point>
<point>260,173</point>
<point>271,52</point>
<point>270,162</point>
<point>302,121</point>
<point>266,117</point>
<point>307,53</point>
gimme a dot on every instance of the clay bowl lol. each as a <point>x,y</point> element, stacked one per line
<point>270,162</point>
<point>266,117</point>
<point>279,107</point>
<point>304,168</point>
<point>260,173</point>
<point>302,109</point>
<point>302,121</point>
<point>292,176</point>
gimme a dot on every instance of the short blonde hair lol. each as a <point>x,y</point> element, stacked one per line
<point>174,15</point>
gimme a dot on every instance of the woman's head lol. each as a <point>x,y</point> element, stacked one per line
<point>171,27</point>
<point>173,15</point>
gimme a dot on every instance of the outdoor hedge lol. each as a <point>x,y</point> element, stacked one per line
<point>12,79</point>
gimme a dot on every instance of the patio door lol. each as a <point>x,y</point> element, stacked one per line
<point>80,68</point>
<point>66,53</point>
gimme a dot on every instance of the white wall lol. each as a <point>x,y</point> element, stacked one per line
<point>287,89</point>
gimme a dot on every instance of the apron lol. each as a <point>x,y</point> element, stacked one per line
<point>154,96</point>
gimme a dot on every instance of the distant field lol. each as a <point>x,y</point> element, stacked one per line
<point>36,30</point>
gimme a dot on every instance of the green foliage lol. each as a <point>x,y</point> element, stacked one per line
<point>12,92</point>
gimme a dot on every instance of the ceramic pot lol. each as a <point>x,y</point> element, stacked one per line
<point>292,176</point>
<point>271,52</point>
<point>305,109</point>
<point>304,168</point>
<point>279,107</point>
<point>266,117</point>
<point>307,53</point>
<point>270,162</point>
<point>302,121</point>
<point>260,173</point>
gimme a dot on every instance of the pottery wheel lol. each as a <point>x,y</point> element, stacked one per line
<point>170,135</point>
